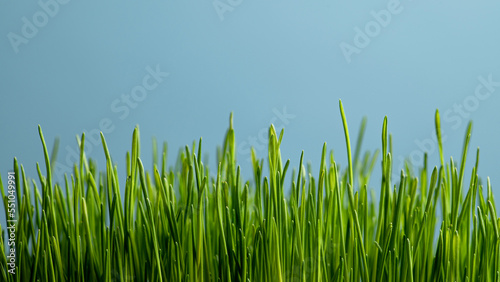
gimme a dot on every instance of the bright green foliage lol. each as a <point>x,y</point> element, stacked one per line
<point>186,224</point>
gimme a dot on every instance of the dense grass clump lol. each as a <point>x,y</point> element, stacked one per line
<point>185,224</point>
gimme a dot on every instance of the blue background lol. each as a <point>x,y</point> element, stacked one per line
<point>257,59</point>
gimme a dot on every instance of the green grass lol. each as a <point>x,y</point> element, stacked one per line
<point>184,224</point>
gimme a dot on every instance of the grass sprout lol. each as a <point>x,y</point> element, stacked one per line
<point>187,223</point>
